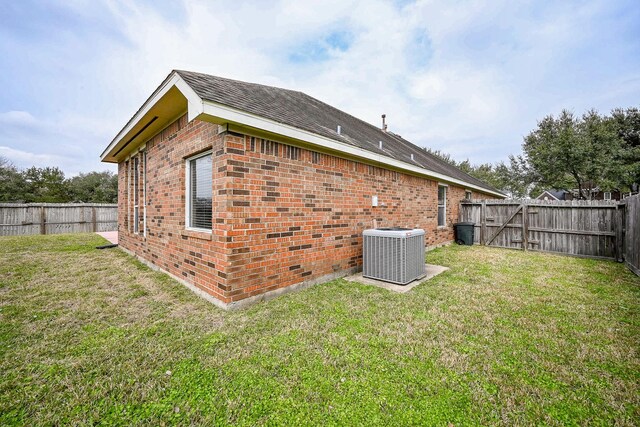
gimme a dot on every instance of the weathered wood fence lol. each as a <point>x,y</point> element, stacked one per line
<point>594,229</point>
<point>56,218</point>
<point>632,233</point>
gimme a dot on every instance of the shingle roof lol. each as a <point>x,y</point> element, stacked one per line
<point>558,194</point>
<point>304,112</point>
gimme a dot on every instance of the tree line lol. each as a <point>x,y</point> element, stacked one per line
<point>49,185</point>
<point>569,152</point>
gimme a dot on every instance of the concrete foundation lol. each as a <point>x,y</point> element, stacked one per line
<point>432,271</point>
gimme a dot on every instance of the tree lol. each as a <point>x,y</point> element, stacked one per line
<point>484,172</point>
<point>626,125</point>
<point>512,178</point>
<point>48,185</point>
<point>446,157</point>
<point>570,152</point>
<point>45,185</point>
<point>12,183</point>
<point>96,187</point>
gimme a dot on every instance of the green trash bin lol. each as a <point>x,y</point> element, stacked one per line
<point>464,232</point>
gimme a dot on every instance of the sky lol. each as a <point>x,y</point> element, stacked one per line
<point>469,78</point>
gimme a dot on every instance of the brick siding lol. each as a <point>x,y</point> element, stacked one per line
<point>282,215</point>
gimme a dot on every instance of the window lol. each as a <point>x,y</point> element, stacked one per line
<point>136,195</point>
<point>607,195</point>
<point>199,191</point>
<point>144,193</point>
<point>127,217</point>
<point>467,195</point>
<point>442,205</point>
<point>136,218</point>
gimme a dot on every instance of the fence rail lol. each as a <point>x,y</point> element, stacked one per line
<point>594,229</point>
<point>56,218</point>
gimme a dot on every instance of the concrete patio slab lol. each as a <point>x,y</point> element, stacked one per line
<point>432,271</point>
<point>111,236</point>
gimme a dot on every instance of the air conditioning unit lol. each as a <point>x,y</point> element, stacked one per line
<point>393,254</point>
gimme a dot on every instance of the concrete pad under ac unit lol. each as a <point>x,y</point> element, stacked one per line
<point>432,271</point>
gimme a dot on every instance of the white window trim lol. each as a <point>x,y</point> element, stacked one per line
<point>144,193</point>
<point>136,194</point>
<point>446,187</point>
<point>187,180</point>
<point>469,192</point>
<point>129,166</point>
<point>605,195</point>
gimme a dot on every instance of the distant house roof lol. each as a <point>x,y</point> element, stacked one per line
<point>552,194</point>
<point>264,107</point>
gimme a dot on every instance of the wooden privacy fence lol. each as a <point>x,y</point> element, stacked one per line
<point>632,233</point>
<point>592,229</point>
<point>56,218</point>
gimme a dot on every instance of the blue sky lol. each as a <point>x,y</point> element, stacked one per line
<point>467,77</point>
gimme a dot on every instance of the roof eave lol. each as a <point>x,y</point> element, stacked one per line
<point>197,106</point>
<point>232,115</point>
<point>129,132</point>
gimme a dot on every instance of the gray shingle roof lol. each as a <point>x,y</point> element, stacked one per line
<point>304,112</point>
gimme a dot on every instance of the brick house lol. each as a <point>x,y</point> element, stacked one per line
<point>242,191</point>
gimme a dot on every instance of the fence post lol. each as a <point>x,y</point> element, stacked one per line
<point>619,224</point>
<point>94,220</point>
<point>483,228</point>
<point>525,225</point>
<point>43,218</point>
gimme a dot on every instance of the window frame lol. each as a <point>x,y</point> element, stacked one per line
<point>468,193</point>
<point>444,206</point>
<point>144,192</point>
<point>187,179</point>
<point>604,196</point>
<point>128,183</point>
<point>136,194</point>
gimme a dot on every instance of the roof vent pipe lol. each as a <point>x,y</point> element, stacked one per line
<point>384,124</point>
<point>380,145</point>
<point>339,129</point>
<point>411,156</point>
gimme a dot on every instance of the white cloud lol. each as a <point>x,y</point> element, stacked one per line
<point>468,78</point>
<point>17,118</point>
<point>64,141</point>
<point>20,157</point>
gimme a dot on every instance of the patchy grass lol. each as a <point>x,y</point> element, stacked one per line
<point>504,337</point>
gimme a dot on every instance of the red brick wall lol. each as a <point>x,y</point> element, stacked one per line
<point>197,258</point>
<point>282,215</point>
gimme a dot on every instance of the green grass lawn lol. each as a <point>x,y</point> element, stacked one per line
<point>503,337</point>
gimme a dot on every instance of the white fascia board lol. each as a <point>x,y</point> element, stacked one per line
<point>233,115</point>
<point>194,103</point>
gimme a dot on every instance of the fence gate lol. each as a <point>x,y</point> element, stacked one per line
<point>583,228</point>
